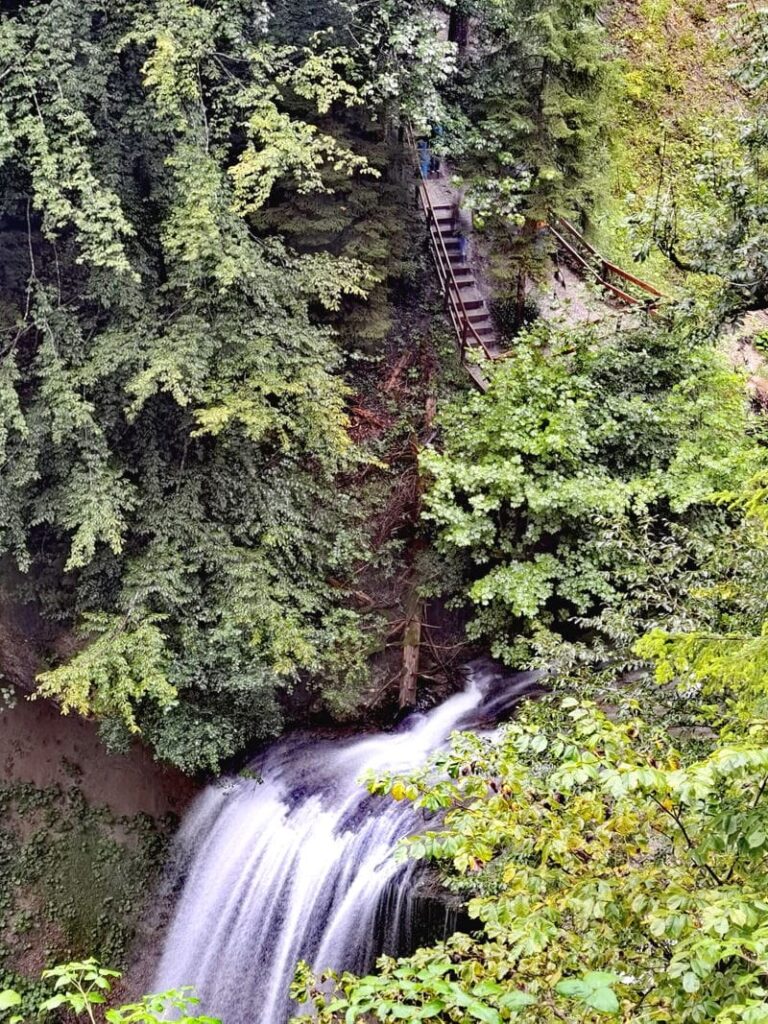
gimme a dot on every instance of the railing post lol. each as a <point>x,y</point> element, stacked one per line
<point>464,329</point>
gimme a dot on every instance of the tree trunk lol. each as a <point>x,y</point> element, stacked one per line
<point>520,300</point>
<point>411,646</point>
<point>458,30</point>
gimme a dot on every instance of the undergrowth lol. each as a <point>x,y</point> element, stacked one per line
<point>675,105</point>
<point>73,879</point>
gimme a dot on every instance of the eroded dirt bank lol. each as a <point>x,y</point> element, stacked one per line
<point>42,746</point>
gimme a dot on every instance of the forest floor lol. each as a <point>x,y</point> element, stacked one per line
<point>675,98</point>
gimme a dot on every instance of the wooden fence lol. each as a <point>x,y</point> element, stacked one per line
<point>584,254</point>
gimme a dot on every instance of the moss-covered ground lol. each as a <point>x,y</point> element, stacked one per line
<point>675,101</point>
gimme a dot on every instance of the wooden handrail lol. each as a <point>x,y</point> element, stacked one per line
<point>638,282</point>
<point>573,252</point>
<point>624,296</point>
<point>577,234</point>
<point>458,311</point>
<point>606,265</point>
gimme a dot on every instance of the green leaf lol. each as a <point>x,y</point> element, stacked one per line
<point>484,1013</point>
<point>54,1002</point>
<point>516,1000</point>
<point>690,982</point>
<point>600,979</point>
<point>574,987</point>
<point>603,999</point>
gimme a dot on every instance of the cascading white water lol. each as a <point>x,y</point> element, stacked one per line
<point>299,865</point>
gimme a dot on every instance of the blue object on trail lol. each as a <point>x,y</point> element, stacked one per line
<point>424,157</point>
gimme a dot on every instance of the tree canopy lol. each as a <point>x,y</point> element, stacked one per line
<point>173,397</point>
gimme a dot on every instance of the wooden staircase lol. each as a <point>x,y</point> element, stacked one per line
<point>481,332</point>
<point>465,304</point>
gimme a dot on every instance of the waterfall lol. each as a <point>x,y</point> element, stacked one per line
<point>298,862</point>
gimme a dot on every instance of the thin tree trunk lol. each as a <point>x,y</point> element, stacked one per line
<point>458,30</point>
<point>411,647</point>
<point>520,300</point>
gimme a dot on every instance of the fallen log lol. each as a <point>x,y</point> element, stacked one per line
<point>369,417</point>
<point>396,373</point>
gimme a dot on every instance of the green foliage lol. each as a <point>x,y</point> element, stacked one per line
<point>531,104</point>
<point>80,986</point>
<point>84,985</point>
<point>120,666</point>
<point>608,876</point>
<point>706,210</point>
<point>723,654</point>
<point>173,417</point>
<point>571,483</point>
<point>541,103</point>
<point>182,1004</point>
<point>675,105</point>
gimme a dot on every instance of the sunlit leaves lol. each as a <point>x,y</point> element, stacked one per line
<point>610,877</point>
<point>82,986</point>
<point>123,663</point>
<point>594,990</point>
<point>586,472</point>
<point>285,148</point>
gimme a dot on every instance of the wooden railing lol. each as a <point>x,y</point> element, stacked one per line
<point>568,238</point>
<point>449,286</point>
<point>572,241</point>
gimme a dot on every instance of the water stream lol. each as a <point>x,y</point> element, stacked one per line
<point>298,864</point>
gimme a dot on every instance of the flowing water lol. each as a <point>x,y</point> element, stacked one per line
<point>299,864</point>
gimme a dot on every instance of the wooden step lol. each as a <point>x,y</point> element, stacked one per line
<point>477,303</point>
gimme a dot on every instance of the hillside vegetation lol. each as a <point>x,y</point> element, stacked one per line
<point>238,451</point>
